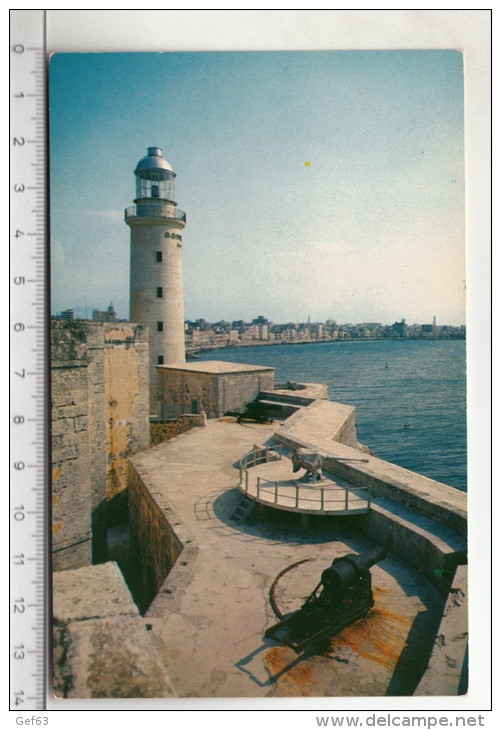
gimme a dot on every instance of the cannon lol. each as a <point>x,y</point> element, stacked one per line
<point>343,595</point>
<point>309,460</point>
<point>255,411</point>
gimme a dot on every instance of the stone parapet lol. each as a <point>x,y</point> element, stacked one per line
<point>103,648</point>
<point>164,430</point>
<point>426,496</point>
<point>433,552</point>
<point>320,423</point>
<point>154,543</point>
<point>329,429</point>
<point>447,667</point>
<point>100,415</point>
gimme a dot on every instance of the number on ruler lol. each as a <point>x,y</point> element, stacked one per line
<point>19,606</point>
<point>19,652</point>
<point>19,697</point>
<point>19,513</point>
<point>26,141</point>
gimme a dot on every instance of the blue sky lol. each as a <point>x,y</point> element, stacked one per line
<point>322,184</point>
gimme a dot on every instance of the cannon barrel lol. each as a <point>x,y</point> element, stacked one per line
<point>344,572</point>
<point>346,597</point>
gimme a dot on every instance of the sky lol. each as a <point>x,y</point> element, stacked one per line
<point>316,184</point>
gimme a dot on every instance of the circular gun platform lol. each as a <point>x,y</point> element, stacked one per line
<point>275,484</point>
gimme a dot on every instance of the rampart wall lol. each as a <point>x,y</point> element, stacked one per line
<point>163,430</point>
<point>155,544</point>
<point>100,416</point>
<point>102,646</point>
<point>71,481</point>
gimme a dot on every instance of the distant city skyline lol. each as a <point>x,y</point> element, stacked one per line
<point>99,314</point>
<point>321,184</point>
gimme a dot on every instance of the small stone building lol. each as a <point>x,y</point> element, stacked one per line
<point>213,387</point>
<point>100,416</point>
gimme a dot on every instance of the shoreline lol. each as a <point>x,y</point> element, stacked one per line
<point>213,348</point>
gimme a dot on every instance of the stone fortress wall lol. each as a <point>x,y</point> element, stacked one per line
<point>165,429</point>
<point>101,457</point>
<point>100,415</point>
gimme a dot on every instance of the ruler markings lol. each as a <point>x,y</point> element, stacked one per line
<point>28,71</point>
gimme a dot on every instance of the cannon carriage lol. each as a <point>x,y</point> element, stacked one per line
<point>343,595</point>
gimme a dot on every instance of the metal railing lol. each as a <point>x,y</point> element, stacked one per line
<point>253,458</point>
<point>154,211</point>
<point>326,498</point>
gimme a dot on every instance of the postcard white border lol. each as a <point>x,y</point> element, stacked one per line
<point>348,29</point>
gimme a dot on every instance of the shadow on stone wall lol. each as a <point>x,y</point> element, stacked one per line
<point>154,544</point>
<point>164,430</point>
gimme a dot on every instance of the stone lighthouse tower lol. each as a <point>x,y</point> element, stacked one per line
<point>156,274</point>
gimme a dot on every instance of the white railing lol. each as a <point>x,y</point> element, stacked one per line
<point>310,498</point>
<point>253,458</point>
<point>318,499</point>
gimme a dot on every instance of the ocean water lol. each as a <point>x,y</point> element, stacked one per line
<point>392,383</point>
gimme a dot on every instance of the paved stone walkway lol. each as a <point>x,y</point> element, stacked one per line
<point>213,609</point>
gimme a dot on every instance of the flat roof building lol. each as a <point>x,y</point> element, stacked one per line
<point>211,386</point>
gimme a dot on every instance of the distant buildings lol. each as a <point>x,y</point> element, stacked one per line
<point>68,315</point>
<point>400,328</point>
<point>109,315</point>
<point>201,334</point>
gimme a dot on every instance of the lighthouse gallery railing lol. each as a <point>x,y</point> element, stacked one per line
<point>153,210</point>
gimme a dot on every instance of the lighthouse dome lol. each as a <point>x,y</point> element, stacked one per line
<point>154,163</point>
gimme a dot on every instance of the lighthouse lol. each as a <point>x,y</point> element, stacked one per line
<point>156,273</point>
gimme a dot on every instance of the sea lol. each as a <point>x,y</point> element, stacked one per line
<point>410,395</point>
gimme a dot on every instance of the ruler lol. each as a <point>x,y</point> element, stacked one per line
<point>28,484</point>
